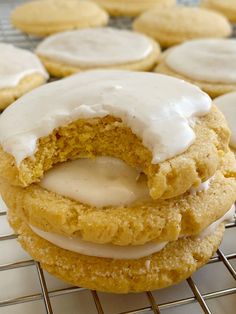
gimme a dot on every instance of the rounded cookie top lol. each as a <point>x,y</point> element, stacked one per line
<point>171,26</point>
<point>96,47</point>
<point>226,7</point>
<point>160,110</point>
<point>42,17</point>
<point>131,7</point>
<point>227,104</point>
<point>208,60</point>
<point>16,64</point>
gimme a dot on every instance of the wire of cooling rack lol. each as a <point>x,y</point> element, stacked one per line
<point>46,294</point>
<point>10,35</point>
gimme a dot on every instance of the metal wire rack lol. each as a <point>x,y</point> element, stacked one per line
<point>10,35</point>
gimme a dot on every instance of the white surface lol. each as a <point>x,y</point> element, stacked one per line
<point>96,47</point>
<point>210,60</point>
<point>15,64</point>
<point>23,281</point>
<point>159,109</point>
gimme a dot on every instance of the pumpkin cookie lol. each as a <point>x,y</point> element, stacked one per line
<point>100,201</point>
<point>131,7</point>
<point>20,72</point>
<point>208,63</point>
<point>226,7</point>
<point>44,17</point>
<point>227,104</point>
<point>122,114</point>
<point>66,53</point>
<point>171,26</point>
<point>173,263</point>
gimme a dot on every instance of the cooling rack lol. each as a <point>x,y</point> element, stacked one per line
<point>153,302</point>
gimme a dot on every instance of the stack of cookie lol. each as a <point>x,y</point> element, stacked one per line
<point>117,181</point>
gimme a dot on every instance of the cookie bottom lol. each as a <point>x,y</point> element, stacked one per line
<point>9,95</point>
<point>212,89</point>
<point>176,262</point>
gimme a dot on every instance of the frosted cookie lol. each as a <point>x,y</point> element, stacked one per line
<point>227,104</point>
<point>163,126</point>
<point>208,63</point>
<point>131,7</point>
<point>74,51</point>
<point>20,72</point>
<point>44,17</point>
<point>226,7</point>
<point>171,26</point>
<point>101,201</point>
<point>176,261</point>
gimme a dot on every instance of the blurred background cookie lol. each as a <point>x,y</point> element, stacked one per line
<point>227,104</point>
<point>226,7</point>
<point>44,17</point>
<point>20,72</point>
<point>208,63</point>
<point>74,51</point>
<point>171,26</point>
<point>131,7</point>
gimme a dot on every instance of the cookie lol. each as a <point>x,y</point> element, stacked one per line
<point>20,72</point>
<point>208,63</point>
<point>44,17</point>
<point>69,52</point>
<point>81,209</point>
<point>133,7</point>
<point>175,262</point>
<point>172,26</point>
<point>226,7</point>
<point>227,104</point>
<point>127,115</point>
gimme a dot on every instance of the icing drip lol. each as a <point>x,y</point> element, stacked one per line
<point>96,47</point>
<point>204,186</point>
<point>159,109</point>
<point>16,63</point>
<point>230,215</point>
<point>210,60</point>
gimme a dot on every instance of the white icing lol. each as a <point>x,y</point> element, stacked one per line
<point>119,252</point>
<point>98,182</point>
<point>100,250</point>
<point>229,216</point>
<point>210,60</point>
<point>227,104</point>
<point>96,47</point>
<point>16,63</point>
<point>159,109</point>
<point>203,187</point>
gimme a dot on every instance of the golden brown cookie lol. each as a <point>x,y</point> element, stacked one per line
<point>44,17</point>
<point>177,261</point>
<point>171,26</point>
<point>97,48</point>
<point>109,136</point>
<point>226,7</point>
<point>10,94</point>
<point>131,7</point>
<point>221,72</point>
<point>134,224</point>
